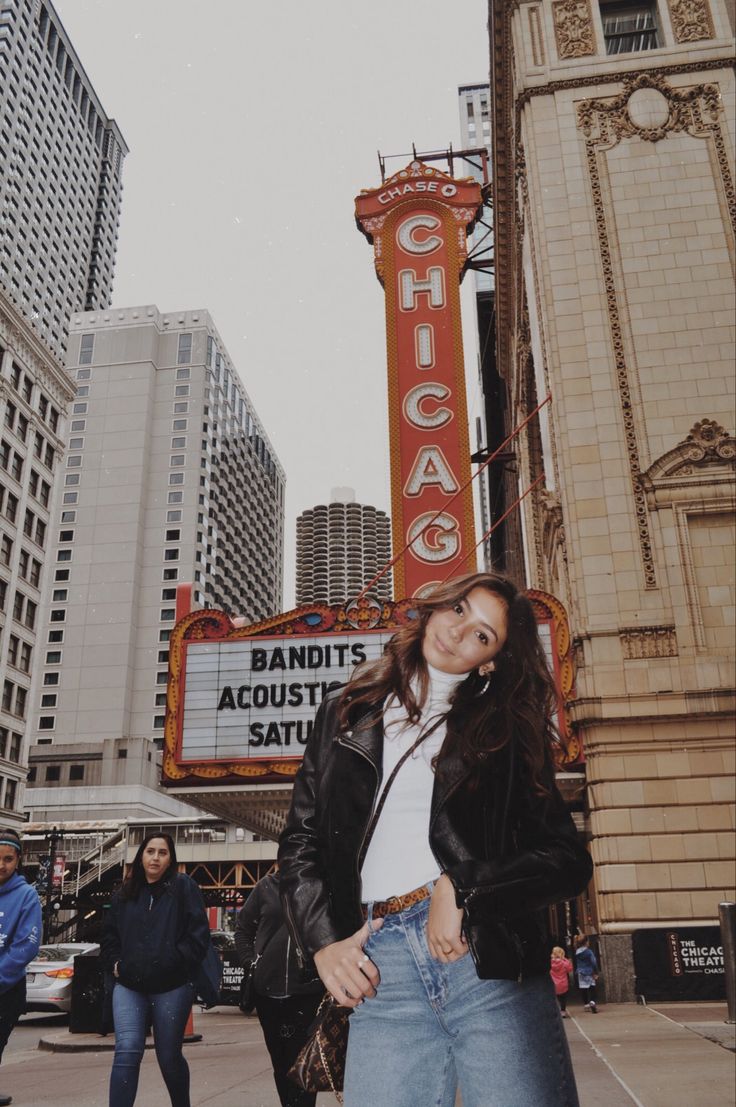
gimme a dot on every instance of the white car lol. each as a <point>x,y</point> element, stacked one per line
<point>49,976</point>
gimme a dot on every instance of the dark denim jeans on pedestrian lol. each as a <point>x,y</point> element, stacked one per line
<point>167,1012</point>
<point>434,1027</point>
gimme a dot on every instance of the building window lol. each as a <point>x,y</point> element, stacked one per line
<point>179,425</point>
<point>163,657</point>
<point>184,353</point>
<point>176,478</point>
<point>162,678</point>
<point>170,574</point>
<point>158,721</point>
<point>80,408</point>
<point>173,516</point>
<point>168,614</point>
<point>76,772</point>
<point>53,772</point>
<point>48,700</point>
<point>181,390</point>
<point>61,575</point>
<point>53,657</point>
<point>86,349</point>
<point>78,425</point>
<point>181,407</point>
<point>11,789</point>
<point>176,459</point>
<point>171,555</point>
<point>629,27</point>
<point>56,636</point>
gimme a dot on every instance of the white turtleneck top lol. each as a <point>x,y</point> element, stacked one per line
<point>399,858</point>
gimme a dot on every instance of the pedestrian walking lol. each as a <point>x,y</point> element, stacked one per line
<point>433,930</point>
<point>156,936</point>
<point>20,934</point>
<point>285,1004</point>
<point>587,968</point>
<point>560,969</point>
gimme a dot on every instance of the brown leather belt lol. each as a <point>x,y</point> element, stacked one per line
<point>392,906</point>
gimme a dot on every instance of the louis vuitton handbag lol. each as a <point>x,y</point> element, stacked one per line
<point>320,1066</point>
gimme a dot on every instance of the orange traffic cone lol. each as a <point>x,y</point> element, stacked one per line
<point>189,1035</point>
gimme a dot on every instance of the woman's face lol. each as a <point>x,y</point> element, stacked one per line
<point>156,859</point>
<point>468,635</point>
<point>9,861</point>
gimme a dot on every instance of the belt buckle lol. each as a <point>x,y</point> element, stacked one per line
<point>393,910</point>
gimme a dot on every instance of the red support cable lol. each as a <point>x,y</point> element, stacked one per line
<point>505,515</point>
<point>390,564</point>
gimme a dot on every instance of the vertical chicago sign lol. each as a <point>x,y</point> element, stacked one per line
<point>417,222</point>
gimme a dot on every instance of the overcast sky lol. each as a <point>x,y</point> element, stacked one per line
<point>252,126</point>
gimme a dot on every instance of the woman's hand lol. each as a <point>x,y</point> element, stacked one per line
<point>444,926</point>
<point>347,973</point>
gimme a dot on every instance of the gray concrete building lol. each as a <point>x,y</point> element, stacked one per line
<point>340,547</point>
<point>34,393</point>
<point>169,479</point>
<point>60,175</point>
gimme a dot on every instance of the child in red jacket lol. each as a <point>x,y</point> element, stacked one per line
<point>559,970</point>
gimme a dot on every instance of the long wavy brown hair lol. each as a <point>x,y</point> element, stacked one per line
<point>517,706</point>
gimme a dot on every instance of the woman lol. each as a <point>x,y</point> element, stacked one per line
<point>155,938</point>
<point>437,937</point>
<point>284,1003</point>
<point>20,933</point>
<point>559,969</point>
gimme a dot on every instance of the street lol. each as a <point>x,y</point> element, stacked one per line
<point>627,1056</point>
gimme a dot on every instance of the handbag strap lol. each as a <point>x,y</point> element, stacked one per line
<point>425,733</point>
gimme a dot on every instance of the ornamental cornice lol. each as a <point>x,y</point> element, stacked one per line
<point>708,451</point>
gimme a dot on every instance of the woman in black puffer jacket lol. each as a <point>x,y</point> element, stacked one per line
<point>285,1002</point>
<point>156,936</point>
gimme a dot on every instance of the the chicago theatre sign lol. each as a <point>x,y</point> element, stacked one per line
<point>417,222</point>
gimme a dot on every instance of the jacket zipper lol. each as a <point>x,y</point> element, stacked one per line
<point>286,966</point>
<point>300,955</point>
<point>359,857</point>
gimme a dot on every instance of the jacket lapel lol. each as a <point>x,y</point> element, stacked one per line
<point>367,737</point>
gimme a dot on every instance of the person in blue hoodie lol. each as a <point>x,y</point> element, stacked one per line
<point>156,936</point>
<point>587,969</point>
<point>20,934</point>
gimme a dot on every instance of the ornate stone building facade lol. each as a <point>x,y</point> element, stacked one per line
<point>614,208</point>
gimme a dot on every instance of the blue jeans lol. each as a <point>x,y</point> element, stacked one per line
<point>168,1013</point>
<point>434,1027</point>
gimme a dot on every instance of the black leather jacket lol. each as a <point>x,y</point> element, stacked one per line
<point>508,852</point>
<point>261,936</point>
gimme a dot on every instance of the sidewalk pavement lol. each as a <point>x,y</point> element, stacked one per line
<point>626,1056</point>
